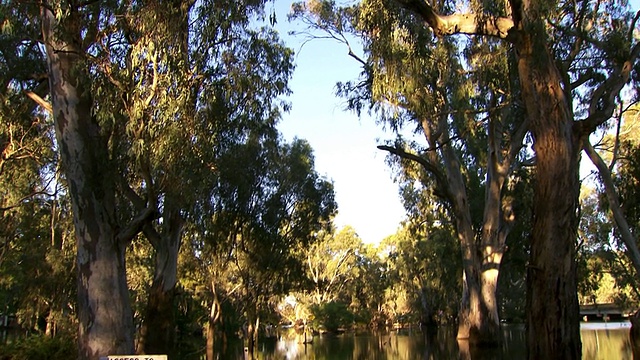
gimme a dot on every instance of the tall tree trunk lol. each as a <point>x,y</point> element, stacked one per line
<point>478,319</point>
<point>478,316</point>
<point>552,302</point>
<point>158,330</point>
<point>214,316</point>
<point>251,335</point>
<point>104,312</point>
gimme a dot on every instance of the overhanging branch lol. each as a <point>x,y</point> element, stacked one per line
<point>614,205</point>
<point>603,99</point>
<point>441,180</point>
<point>469,23</point>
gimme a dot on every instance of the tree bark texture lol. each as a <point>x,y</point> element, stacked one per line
<point>104,312</point>
<point>553,329</point>
<point>478,319</point>
<point>158,330</point>
<point>552,304</point>
<point>475,321</point>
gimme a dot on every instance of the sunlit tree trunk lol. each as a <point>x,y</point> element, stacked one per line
<point>478,320</point>
<point>552,301</point>
<point>214,316</point>
<point>478,317</point>
<point>104,312</point>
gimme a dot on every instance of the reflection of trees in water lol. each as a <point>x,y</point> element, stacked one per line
<point>438,343</point>
<point>606,344</point>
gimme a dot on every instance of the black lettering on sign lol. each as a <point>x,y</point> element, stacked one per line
<point>134,357</point>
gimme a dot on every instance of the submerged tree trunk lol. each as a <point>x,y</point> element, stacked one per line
<point>104,312</point>
<point>552,301</point>
<point>478,320</point>
<point>478,316</point>
<point>251,331</point>
<point>214,316</point>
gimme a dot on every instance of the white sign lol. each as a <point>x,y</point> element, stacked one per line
<point>134,357</point>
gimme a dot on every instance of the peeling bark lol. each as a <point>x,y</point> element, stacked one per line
<point>553,330</point>
<point>104,312</point>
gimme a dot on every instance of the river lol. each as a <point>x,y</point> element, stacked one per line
<point>599,341</point>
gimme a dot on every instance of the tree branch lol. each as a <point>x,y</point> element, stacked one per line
<point>603,98</point>
<point>470,24</point>
<point>441,180</point>
<point>39,100</point>
<point>614,206</point>
<point>132,229</point>
<point>147,211</point>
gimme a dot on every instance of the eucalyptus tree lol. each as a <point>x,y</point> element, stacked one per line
<point>330,262</point>
<point>618,181</point>
<point>35,233</point>
<point>367,291</point>
<point>421,265</point>
<point>468,120</point>
<point>269,203</point>
<point>240,73</point>
<point>572,61</point>
<point>126,81</point>
<point>619,177</point>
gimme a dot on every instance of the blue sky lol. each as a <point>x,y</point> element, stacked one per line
<point>344,144</point>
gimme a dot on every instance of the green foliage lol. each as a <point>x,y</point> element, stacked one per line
<point>36,237</point>
<point>424,273</point>
<point>512,282</point>
<point>604,272</point>
<point>332,316</point>
<point>40,347</point>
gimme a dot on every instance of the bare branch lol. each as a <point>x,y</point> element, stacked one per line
<point>614,205</point>
<point>441,179</point>
<point>603,98</point>
<point>40,101</point>
<point>470,24</point>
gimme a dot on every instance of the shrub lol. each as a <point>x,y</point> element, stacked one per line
<point>40,347</point>
<point>332,316</point>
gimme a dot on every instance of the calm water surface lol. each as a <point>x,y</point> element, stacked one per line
<point>605,344</point>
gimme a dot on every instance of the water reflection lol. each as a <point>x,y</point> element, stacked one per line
<point>439,344</point>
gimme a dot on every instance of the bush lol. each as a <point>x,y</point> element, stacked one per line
<point>40,347</point>
<point>332,316</point>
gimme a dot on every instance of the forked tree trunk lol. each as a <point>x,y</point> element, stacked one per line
<point>158,329</point>
<point>104,312</point>
<point>214,316</point>
<point>478,320</point>
<point>552,301</point>
<point>478,316</point>
<point>251,335</point>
